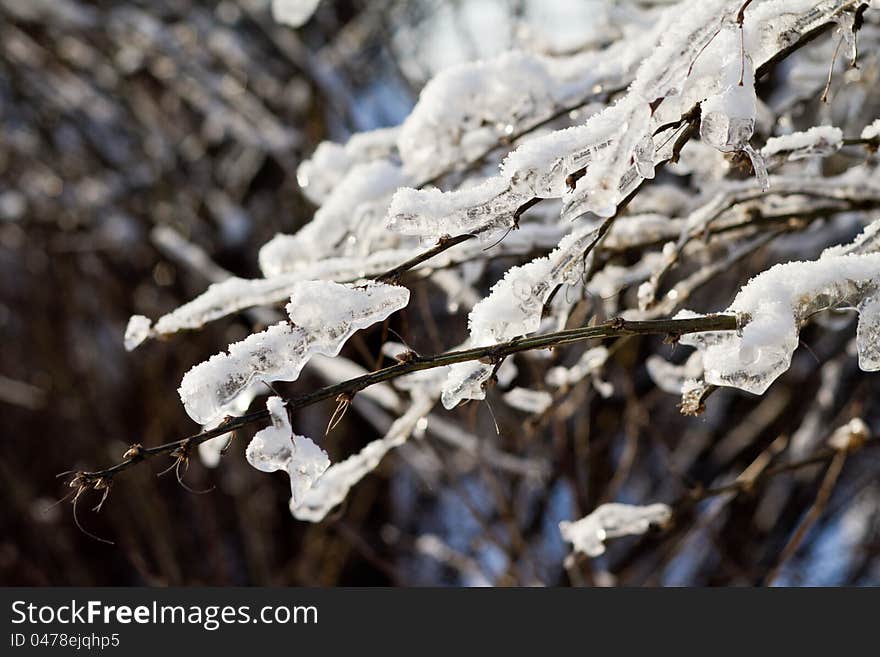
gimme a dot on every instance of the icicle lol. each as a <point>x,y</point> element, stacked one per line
<point>758,166</point>
<point>846,26</point>
<point>277,448</point>
<point>644,154</point>
<point>728,118</point>
<point>465,381</point>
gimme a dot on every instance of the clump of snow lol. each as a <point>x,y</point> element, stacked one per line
<point>775,303</point>
<point>319,175</point>
<point>293,12</point>
<point>137,330</point>
<point>472,102</point>
<point>324,316</point>
<point>330,313</point>
<point>513,306</point>
<point>432,213</point>
<point>469,108</point>
<point>360,197</point>
<point>818,140</point>
<point>588,535</point>
<point>277,447</point>
<point>209,390</point>
<point>872,130</point>
<point>850,436</point>
<point>235,294</point>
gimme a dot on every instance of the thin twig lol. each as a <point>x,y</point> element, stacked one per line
<point>822,497</point>
<point>614,328</point>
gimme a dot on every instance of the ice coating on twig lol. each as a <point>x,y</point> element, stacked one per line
<point>868,241</point>
<point>277,447</point>
<point>330,313</point>
<point>540,166</point>
<point>431,213</point>
<point>468,108</point>
<point>333,486</point>
<point>775,303</point>
<point>551,158</point>
<point>514,305</point>
<point>528,400</point>
<point>514,308</point>
<point>673,378</point>
<point>818,140</point>
<point>613,172</point>
<point>209,390</point>
<point>235,294</point>
<point>588,535</point>
<point>706,60</point>
<point>795,194</point>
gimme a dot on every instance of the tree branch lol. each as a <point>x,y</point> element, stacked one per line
<point>614,328</point>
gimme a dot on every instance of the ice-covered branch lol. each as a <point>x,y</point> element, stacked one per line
<point>614,328</point>
<point>225,384</point>
<point>588,535</point>
<point>774,305</point>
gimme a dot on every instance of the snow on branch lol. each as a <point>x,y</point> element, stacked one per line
<point>775,303</point>
<point>228,380</point>
<point>513,308</point>
<point>277,447</point>
<point>818,140</point>
<point>583,131</point>
<point>588,535</point>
